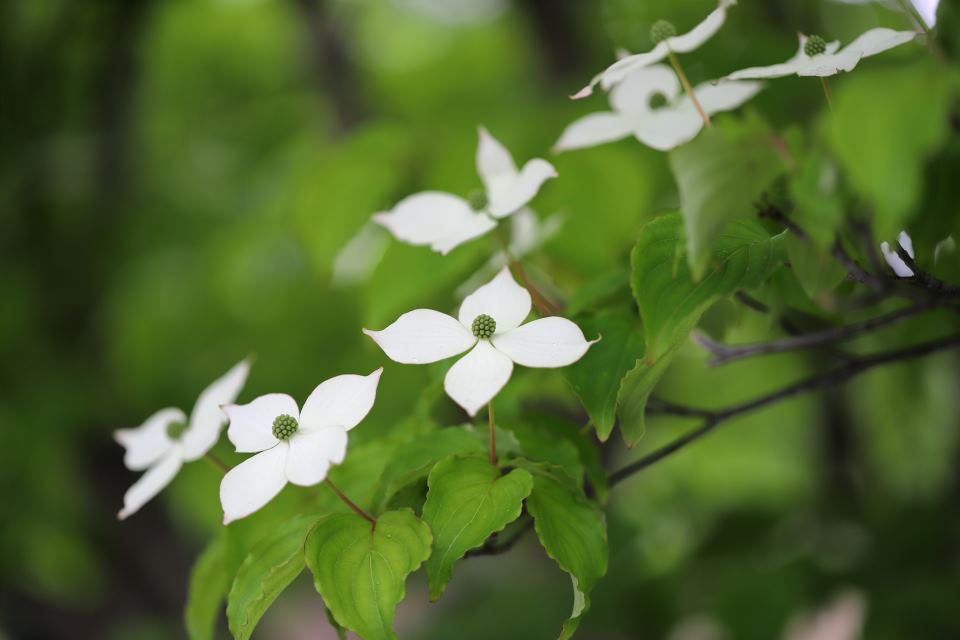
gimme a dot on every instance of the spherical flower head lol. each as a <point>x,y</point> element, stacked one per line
<point>483,326</point>
<point>284,427</point>
<point>478,200</point>
<point>814,46</point>
<point>661,30</point>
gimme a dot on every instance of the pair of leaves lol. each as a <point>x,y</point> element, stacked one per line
<point>671,301</point>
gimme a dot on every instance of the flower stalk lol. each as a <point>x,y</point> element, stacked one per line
<point>217,463</point>
<point>350,503</point>
<point>689,89</point>
<point>493,434</point>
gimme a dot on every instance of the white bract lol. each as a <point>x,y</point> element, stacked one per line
<point>489,326</point>
<point>832,60</point>
<point>682,43</point>
<point>893,258</point>
<point>167,439</point>
<point>291,445</point>
<point>444,221</point>
<point>662,128</point>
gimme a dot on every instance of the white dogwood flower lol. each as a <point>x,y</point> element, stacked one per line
<point>662,128</point>
<point>664,45</point>
<point>489,326</point>
<point>893,258</point>
<point>444,221</point>
<point>167,439</point>
<point>816,57</point>
<point>291,445</point>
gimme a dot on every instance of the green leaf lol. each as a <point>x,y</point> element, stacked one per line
<point>209,582</point>
<point>268,569</point>
<point>886,122</point>
<point>671,302</point>
<point>596,377</point>
<point>720,175</point>
<point>814,267</point>
<point>468,500</point>
<point>360,572</point>
<point>818,206</point>
<point>413,460</point>
<point>573,532</point>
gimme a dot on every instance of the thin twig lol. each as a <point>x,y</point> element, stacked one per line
<point>712,419</point>
<point>723,353</point>
<point>493,547</point>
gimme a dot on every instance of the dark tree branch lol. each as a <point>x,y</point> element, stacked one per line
<point>723,353</point>
<point>494,547</point>
<point>839,375</point>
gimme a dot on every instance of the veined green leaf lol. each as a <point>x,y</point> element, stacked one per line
<point>573,532</point>
<point>360,571</point>
<point>268,569</point>
<point>596,377</point>
<point>671,302</point>
<point>413,460</point>
<point>467,501</point>
<point>720,175</point>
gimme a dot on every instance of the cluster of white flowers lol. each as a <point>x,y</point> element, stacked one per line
<point>299,446</point>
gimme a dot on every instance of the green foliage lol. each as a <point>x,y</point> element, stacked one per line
<point>720,176</point>
<point>671,301</point>
<point>360,572</point>
<point>468,500</point>
<point>268,569</point>
<point>814,267</point>
<point>596,377</point>
<point>882,134</point>
<point>209,584</point>
<point>413,460</point>
<point>573,532</point>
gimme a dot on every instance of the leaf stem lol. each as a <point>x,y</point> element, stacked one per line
<point>688,89</point>
<point>350,503</point>
<point>493,434</point>
<point>217,463</point>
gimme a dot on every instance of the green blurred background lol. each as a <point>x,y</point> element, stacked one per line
<point>177,179</point>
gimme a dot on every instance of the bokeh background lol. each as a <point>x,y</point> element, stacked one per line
<point>178,180</point>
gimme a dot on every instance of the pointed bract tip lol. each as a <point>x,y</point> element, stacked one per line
<point>378,372</point>
<point>586,92</point>
<point>122,515</point>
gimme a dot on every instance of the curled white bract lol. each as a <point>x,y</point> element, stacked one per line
<point>832,61</point>
<point>662,128</point>
<point>444,221</point>
<point>156,447</point>
<point>683,43</point>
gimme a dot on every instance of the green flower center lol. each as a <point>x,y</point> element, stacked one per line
<point>478,200</point>
<point>483,326</point>
<point>284,427</point>
<point>176,429</point>
<point>661,30</point>
<point>814,46</point>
